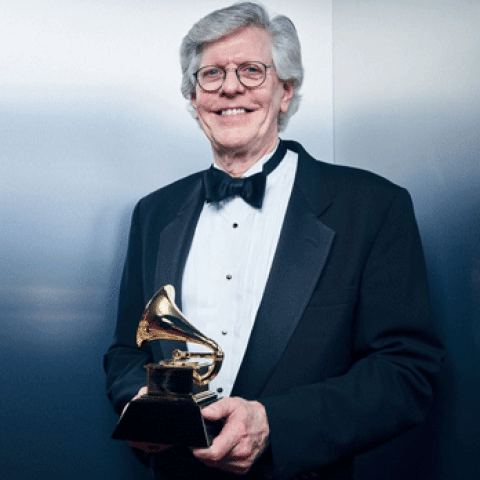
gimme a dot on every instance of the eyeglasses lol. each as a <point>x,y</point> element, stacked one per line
<point>250,75</point>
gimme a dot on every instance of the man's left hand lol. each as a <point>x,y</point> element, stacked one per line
<point>242,439</point>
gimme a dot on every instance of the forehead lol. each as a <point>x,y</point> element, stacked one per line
<point>246,44</point>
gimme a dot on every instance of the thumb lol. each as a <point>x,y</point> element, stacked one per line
<point>216,410</point>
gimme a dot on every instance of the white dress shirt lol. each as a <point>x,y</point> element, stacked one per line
<point>229,263</point>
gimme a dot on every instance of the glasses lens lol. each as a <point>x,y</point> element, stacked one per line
<point>251,74</point>
<point>210,78</point>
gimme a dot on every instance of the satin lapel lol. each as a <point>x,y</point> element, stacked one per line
<point>302,251</point>
<point>174,244</point>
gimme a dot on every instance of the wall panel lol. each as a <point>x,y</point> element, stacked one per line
<point>407,106</point>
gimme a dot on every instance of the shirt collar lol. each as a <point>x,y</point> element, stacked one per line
<point>257,166</point>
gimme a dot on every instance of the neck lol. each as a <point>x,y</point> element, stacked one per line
<point>237,162</point>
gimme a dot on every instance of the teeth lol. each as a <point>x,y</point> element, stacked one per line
<point>234,111</point>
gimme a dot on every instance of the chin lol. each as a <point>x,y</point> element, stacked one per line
<point>234,141</point>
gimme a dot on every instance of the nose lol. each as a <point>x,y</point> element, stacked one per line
<point>232,84</point>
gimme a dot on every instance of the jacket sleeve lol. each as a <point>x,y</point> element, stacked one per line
<point>395,357</point>
<point>124,362</point>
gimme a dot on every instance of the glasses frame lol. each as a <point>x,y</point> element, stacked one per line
<point>225,70</point>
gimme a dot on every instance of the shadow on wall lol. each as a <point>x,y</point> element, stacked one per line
<point>439,166</point>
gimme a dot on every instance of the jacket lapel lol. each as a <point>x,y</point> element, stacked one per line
<point>174,244</point>
<point>302,251</point>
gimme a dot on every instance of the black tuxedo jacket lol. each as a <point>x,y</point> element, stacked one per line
<point>342,352</point>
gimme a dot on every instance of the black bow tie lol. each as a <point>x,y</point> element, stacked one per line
<point>220,186</point>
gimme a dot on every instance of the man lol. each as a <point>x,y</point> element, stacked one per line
<point>315,290</point>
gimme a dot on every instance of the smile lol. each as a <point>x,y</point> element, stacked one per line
<point>234,111</point>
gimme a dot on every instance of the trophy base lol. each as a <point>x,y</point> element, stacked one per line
<point>168,419</point>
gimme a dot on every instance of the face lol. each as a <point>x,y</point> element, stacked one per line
<point>236,119</point>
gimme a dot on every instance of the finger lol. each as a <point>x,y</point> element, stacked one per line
<point>244,450</point>
<point>232,432</point>
<point>217,410</point>
<point>143,391</point>
<point>220,447</point>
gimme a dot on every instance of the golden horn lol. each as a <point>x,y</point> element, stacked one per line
<point>163,320</point>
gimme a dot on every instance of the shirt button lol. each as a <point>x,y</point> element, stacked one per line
<point>224,332</point>
<point>235,225</point>
<point>229,277</point>
<point>219,390</point>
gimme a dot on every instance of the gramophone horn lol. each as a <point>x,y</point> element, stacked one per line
<point>163,320</point>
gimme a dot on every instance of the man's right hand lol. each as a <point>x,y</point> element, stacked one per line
<point>146,447</point>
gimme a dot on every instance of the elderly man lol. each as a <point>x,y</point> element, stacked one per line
<point>311,276</point>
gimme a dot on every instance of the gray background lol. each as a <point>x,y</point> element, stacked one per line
<point>88,125</point>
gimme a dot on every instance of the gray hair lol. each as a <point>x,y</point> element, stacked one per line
<point>285,46</point>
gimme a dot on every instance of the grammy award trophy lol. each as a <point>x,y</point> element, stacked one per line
<point>170,413</point>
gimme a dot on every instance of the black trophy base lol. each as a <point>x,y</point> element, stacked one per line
<point>165,417</point>
<point>153,419</point>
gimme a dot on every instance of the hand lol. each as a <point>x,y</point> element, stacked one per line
<point>242,439</point>
<point>146,447</point>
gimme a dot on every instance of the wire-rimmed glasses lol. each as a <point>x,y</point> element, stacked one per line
<point>249,74</point>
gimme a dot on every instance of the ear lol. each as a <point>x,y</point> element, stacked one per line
<point>193,100</point>
<point>287,96</point>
